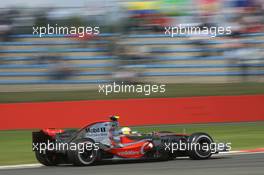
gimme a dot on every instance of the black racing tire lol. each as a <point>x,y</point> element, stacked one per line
<point>163,153</point>
<point>47,159</point>
<point>174,154</point>
<point>86,158</point>
<point>198,152</point>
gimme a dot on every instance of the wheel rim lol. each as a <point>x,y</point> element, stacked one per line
<point>87,156</point>
<point>203,140</point>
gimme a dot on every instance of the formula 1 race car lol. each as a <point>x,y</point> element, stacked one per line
<point>103,141</point>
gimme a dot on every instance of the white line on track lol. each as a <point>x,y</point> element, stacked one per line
<point>239,153</point>
<point>22,166</point>
<point>37,165</point>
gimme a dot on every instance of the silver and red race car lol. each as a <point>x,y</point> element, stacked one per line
<point>103,140</point>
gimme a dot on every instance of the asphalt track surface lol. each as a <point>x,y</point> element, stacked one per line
<point>247,164</point>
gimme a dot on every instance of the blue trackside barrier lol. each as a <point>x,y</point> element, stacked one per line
<point>253,35</point>
<point>182,58</point>
<point>45,50</point>
<point>150,66</point>
<point>197,58</point>
<point>183,50</point>
<point>21,82</point>
<point>67,50</point>
<point>106,57</point>
<point>103,57</point>
<point>146,74</point>
<point>234,73</point>
<point>45,66</point>
<point>182,42</point>
<point>41,74</point>
<point>192,66</point>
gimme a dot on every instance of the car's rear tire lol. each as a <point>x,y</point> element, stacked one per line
<point>84,157</point>
<point>47,158</point>
<point>199,152</point>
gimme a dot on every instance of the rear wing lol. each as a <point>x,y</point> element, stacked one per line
<point>39,138</point>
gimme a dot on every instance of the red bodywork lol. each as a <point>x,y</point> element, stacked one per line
<point>52,131</point>
<point>132,148</point>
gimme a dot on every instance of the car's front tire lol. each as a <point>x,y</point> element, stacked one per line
<point>197,145</point>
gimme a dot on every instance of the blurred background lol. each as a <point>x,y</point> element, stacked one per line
<point>131,46</point>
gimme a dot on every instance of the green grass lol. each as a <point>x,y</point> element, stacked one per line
<point>15,146</point>
<point>172,90</point>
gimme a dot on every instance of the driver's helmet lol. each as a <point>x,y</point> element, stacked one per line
<point>114,118</point>
<point>126,130</point>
